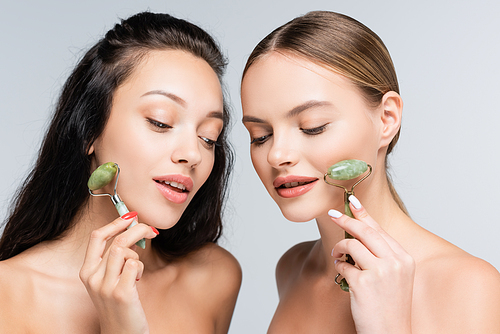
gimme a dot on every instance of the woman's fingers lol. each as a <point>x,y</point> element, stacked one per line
<point>124,242</point>
<point>99,239</point>
<point>378,256</point>
<point>111,270</point>
<point>132,272</point>
<point>362,256</point>
<point>347,270</point>
<point>96,258</point>
<point>135,233</point>
<point>114,267</point>
<point>361,214</point>
<point>362,231</point>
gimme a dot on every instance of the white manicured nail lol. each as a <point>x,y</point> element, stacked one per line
<point>355,202</point>
<point>334,213</point>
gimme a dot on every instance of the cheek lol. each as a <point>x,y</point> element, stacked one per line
<point>341,143</point>
<point>116,142</point>
<point>324,151</point>
<point>259,161</point>
<point>206,166</point>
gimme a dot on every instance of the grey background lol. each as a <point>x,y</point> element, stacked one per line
<point>445,166</point>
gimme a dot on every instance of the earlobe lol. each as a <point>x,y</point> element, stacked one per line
<point>90,149</point>
<point>392,105</point>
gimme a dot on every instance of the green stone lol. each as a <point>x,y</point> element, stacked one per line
<point>103,175</point>
<point>344,285</point>
<point>347,169</point>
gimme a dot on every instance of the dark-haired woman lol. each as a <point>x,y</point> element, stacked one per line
<point>318,90</point>
<point>147,96</point>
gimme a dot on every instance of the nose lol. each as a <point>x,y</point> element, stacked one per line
<point>187,150</point>
<point>283,152</point>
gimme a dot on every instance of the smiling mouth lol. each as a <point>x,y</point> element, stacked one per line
<point>298,187</point>
<point>293,184</point>
<point>175,186</point>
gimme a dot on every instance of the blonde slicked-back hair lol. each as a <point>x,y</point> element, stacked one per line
<point>343,45</point>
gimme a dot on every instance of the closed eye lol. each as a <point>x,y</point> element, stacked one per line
<point>209,143</point>
<point>158,125</point>
<point>314,131</point>
<point>260,140</point>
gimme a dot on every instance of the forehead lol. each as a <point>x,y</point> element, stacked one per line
<point>282,81</point>
<point>178,72</point>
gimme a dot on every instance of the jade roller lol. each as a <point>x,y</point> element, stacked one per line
<point>347,170</point>
<point>102,176</point>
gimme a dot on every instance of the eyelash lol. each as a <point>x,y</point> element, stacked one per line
<point>160,126</point>
<point>314,131</point>
<point>209,143</point>
<point>310,132</point>
<point>260,140</point>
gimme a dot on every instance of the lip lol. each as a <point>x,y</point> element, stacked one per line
<point>168,192</point>
<point>294,191</point>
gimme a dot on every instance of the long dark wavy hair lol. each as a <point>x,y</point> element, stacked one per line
<point>48,201</point>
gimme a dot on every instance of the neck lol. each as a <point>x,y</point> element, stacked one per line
<point>330,235</point>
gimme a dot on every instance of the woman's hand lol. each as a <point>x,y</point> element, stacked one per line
<point>381,282</point>
<point>110,275</point>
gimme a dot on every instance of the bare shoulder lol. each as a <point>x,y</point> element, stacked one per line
<point>449,266</point>
<point>291,261</point>
<point>294,258</point>
<point>213,277</point>
<point>461,290</point>
<point>215,271</point>
<point>215,260</point>
<point>13,290</point>
<point>11,274</point>
<point>5,278</point>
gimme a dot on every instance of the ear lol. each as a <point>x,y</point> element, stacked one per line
<point>390,117</point>
<point>90,150</point>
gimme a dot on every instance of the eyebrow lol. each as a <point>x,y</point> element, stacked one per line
<point>182,102</point>
<point>252,119</point>
<point>306,105</point>
<point>171,96</point>
<point>293,112</point>
<point>216,114</point>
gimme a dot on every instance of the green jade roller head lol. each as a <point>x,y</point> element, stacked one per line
<point>347,170</point>
<point>101,177</point>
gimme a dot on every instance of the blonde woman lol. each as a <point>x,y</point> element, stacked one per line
<point>320,89</point>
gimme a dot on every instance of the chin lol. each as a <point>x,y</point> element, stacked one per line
<point>163,225</point>
<point>161,219</point>
<point>305,211</point>
<point>298,216</point>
